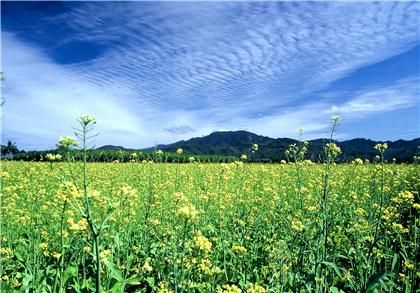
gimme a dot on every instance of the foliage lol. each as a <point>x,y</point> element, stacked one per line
<point>229,146</point>
<point>123,156</point>
<point>10,147</point>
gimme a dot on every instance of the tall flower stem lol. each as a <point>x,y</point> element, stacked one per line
<point>87,124</point>
<point>331,152</point>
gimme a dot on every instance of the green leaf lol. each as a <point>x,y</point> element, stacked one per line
<point>336,290</point>
<point>68,273</point>
<point>151,281</point>
<point>133,280</point>
<point>25,282</point>
<point>377,281</point>
<point>19,256</point>
<point>333,266</point>
<point>118,287</point>
<point>395,260</point>
<point>115,272</point>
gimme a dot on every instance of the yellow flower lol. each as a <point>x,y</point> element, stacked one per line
<point>67,142</point>
<point>358,161</point>
<point>297,225</point>
<point>179,151</point>
<point>239,249</point>
<point>405,196</point>
<point>335,118</point>
<point>6,252</point>
<point>14,283</point>
<point>404,278</point>
<point>400,228</point>
<point>255,288</point>
<point>202,243</point>
<point>231,289</point>
<point>86,120</point>
<point>4,174</point>
<point>205,266</point>
<point>409,265</point>
<point>56,255</point>
<point>79,226</point>
<point>52,157</point>
<point>43,246</point>
<point>87,249</point>
<point>179,196</point>
<point>104,255</point>
<point>128,192</point>
<point>163,288</point>
<point>332,149</point>
<point>381,147</point>
<point>313,208</point>
<point>147,267</point>
<point>360,212</point>
<point>188,211</point>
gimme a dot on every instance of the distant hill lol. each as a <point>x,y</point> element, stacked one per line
<point>236,143</point>
<point>111,147</point>
<point>227,146</point>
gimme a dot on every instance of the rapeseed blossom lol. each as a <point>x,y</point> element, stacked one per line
<point>67,142</point>
<point>188,212</point>
<point>202,243</point>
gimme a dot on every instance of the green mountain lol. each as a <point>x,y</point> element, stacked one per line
<point>236,143</point>
<point>112,147</point>
<point>226,146</point>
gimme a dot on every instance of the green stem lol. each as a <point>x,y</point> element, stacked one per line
<point>93,229</point>
<point>379,215</point>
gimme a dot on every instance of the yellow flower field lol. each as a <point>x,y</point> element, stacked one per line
<point>210,227</point>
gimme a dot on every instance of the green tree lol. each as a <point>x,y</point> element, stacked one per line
<point>10,148</point>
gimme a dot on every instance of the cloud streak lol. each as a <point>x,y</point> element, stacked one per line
<point>403,94</point>
<point>169,71</point>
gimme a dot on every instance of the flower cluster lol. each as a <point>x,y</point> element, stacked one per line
<point>335,118</point>
<point>332,150</point>
<point>86,120</point>
<point>67,142</point>
<point>254,147</point>
<point>53,157</point>
<point>297,226</point>
<point>381,147</point>
<point>188,212</point>
<point>202,243</point>
<point>239,249</point>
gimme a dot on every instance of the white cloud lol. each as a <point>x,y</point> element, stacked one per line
<point>204,66</point>
<point>43,99</point>
<point>402,94</point>
<point>232,54</point>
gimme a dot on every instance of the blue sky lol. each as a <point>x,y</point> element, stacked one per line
<point>159,72</point>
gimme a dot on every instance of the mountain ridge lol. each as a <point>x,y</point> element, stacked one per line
<point>236,143</point>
